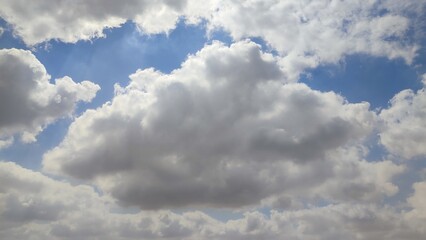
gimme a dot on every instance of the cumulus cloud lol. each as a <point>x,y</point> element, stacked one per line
<point>28,101</point>
<point>34,206</point>
<point>222,131</point>
<point>404,133</point>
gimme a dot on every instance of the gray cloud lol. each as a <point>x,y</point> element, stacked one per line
<point>28,101</point>
<point>221,131</point>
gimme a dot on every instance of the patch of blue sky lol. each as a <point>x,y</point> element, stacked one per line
<point>264,45</point>
<point>362,77</point>
<point>29,155</point>
<point>7,40</point>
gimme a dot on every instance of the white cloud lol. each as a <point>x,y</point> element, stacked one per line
<point>223,131</point>
<point>70,21</point>
<point>34,206</point>
<point>309,33</point>
<point>28,101</point>
<point>404,132</point>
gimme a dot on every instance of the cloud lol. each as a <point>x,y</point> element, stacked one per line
<point>305,33</point>
<point>28,197</point>
<point>70,21</point>
<point>28,101</point>
<point>310,33</point>
<point>34,206</point>
<point>416,201</point>
<point>404,132</point>
<point>222,131</point>
<point>231,128</point>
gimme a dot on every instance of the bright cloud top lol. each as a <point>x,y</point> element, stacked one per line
<point>28,101</point>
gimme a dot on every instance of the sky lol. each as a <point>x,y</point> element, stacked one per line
<point>216,119</point>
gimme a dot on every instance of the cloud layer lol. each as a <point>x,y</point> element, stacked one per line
<point>305,33</point>
<point>33,206</point>
<point>28,101</point>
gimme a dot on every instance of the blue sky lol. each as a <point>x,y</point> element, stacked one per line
<point>229,120</point>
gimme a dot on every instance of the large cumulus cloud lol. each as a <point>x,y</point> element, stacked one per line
<point>224,131</point>
<point>34,206</point>
<point>28,101</point>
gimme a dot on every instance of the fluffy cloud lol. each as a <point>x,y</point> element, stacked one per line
<point>404,133</point>
<point>305,33</point>
<point>223,131</point>
<point>70,20</point>
<point>28,101</point>
<point>34,206</point>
